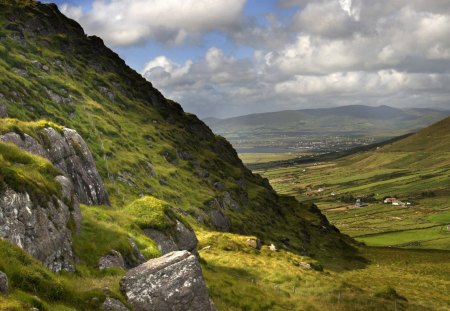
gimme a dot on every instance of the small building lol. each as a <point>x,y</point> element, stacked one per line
<point>390,200</point>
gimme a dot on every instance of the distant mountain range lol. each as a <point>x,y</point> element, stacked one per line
<point>382,121</point>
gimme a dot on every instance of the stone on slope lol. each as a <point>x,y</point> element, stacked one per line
<point>182,239</point>
<point>173,282</point>
<point>70,153</point>
<point>4,288</point>
<point>110,260</point>
<point>220,221</point>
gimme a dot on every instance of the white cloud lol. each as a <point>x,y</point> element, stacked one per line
<point>123,23</point>
<point>380,83</point>
<point>331,52</point>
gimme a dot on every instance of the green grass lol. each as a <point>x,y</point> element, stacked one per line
<point>32,285</point>
<point>240,278</point>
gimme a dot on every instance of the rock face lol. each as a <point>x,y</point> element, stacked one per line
<point>182,239</point>
<point>42,231</point>
<point>4,288</point>
<point>112,259</point>
<point>173,282</point>
<point>68,152</point>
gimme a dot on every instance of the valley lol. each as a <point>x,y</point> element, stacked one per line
<point>415,170</point>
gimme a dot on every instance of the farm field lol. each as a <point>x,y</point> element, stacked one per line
<point>334,187</point>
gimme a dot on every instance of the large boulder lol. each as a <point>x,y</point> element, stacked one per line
<point>68,151</point>
<point>182,238</point>
<point>173,282</point>
<point>42,229</point>
<point>4,288</point>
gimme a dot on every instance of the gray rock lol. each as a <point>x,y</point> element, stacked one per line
<point>126,178</point>
<point>183,239</point>
<point>220,221</point>
<point>105,91</point>
<point>110,260</point>
<point>173,282</point>
<point>165,242</point>
<point>4,287</point>
<point>58,98</point>
<point>20,71</point>
<point>229,202</point>
<point>111,304</point>
<point>68,152</point>
<point>3,111</point>
<point>219,185</point>
<point>184,155</point>
<point>42,231</point>
<point>139,258</point>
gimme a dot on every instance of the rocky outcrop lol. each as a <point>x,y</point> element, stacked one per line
<point>181,238</point>
<point>110,260</point>
<point>68,152</point>
<point>173,282</point>
<point>43,231</point>
<point>4,287</point>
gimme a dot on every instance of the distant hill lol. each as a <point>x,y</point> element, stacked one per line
<point>381,121</point>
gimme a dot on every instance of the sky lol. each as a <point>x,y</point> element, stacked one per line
<point>223,58</point>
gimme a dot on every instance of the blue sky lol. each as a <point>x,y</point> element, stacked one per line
<point>230,57</point>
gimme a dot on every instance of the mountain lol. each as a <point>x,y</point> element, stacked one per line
<point>381,121</point>
<point>66,97</point>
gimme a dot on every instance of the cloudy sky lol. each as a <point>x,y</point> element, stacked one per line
<point>224,58</point>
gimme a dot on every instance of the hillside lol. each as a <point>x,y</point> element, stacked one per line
<point>161,167</point>
<point>382,121</point>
